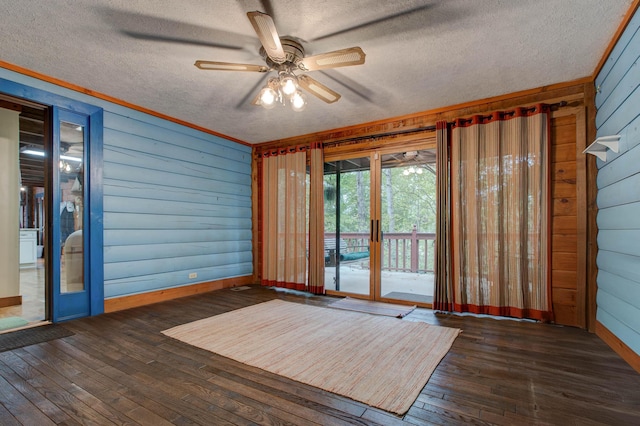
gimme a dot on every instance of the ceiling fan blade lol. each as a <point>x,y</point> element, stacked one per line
<point>266,30</point>
<point>337,58</point>
<point>151,28</point>
<point>318,89</point>
<point>351,85</point>
<point>404,21</point>
<point>229,66</point>
<point>180,40</point>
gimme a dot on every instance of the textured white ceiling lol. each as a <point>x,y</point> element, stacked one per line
<point>421,54</point>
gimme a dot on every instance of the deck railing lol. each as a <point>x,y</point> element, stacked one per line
<point>401,251</point>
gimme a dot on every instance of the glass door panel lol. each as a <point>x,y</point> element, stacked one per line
<point>408,223</point>
<point>71,179</point>
<point>71,296</point>
<point>347,193</point>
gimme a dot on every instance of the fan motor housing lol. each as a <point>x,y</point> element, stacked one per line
<point>293,51</point>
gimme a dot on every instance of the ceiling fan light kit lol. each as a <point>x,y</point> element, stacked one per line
<point>269,96</point>
<point>284,55</point>
<point>298,101</point>
<point>289,83</point>
<point>282,90</point>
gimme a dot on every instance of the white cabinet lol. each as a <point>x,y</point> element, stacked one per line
<point>28,246</point>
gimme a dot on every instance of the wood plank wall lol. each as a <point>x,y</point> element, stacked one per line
<point>564,224</point>
<point>175,204</point>
<point>569,210</point>
<point>177,201</point>
<point>618,181</point>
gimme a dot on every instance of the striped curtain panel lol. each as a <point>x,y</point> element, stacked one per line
<point>500,214</point>
<point>443,292</point>
<point>284,218</point>
<point>316,219</point>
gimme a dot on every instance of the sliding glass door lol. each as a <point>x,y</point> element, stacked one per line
<point>347,239</point>
<point>408,224</point>
<point>380,224</point>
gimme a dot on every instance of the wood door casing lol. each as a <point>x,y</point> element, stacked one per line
<point>564,221</point>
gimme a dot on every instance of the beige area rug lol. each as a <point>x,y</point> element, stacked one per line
<point>373,359</point>
<point>369,307</point>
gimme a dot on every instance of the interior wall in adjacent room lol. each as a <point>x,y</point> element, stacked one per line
<point>9,213</point>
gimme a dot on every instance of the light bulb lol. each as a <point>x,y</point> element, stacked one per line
<point>289,84</point>
<point>268,97</point>
<point>298,101</point>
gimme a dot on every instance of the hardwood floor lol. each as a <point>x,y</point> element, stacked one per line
<point>119,369</point>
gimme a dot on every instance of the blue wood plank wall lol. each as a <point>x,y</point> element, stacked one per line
<point>177,201</point>
<point>618,104</point>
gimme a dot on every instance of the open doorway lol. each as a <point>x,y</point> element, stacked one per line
<point>23,289</point>
<point>62,139</point>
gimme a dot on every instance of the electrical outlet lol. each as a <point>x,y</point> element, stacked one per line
<point>193,275</point>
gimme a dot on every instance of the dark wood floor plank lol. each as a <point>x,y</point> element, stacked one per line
<point>242,405</point>
<point>129,387</point>
<point>220,400</point>
<point>6,418</point>
<point>311,394</point>
<point>376,416</point>
<point>71,379</point>
<point>101,387</point>
<point>52,411</point>
<point>119,368</point>
<point>85,406</point>
<point>281,402</point>
<point>176,381</point>
<point>246,415</point>
<point>166,399</point>
<point>20,407</point>
<point>41,381</point>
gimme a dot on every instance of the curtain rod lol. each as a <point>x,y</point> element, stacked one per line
<point>553,107</point>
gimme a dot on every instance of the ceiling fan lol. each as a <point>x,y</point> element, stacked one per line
<point>285,55</point>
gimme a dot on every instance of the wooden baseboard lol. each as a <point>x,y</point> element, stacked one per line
<point>632,358</point>
<point>10,301</point>
<point>126,302</point>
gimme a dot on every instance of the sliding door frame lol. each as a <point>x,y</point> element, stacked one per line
<point>349,156</point>
<point>375,152</point>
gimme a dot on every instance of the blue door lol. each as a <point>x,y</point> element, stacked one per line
<point>76,237</point>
